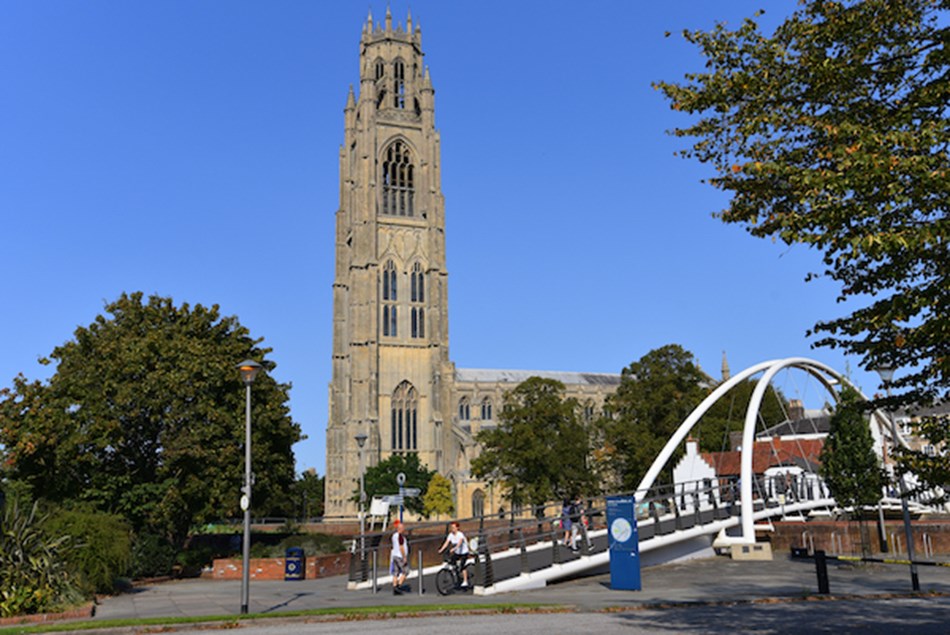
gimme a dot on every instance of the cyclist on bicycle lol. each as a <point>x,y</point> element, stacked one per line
<point>458,550</point>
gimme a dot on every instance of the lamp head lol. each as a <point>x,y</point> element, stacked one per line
<point>249,369</point>
<point>361,439</point>
<point>886,373</point>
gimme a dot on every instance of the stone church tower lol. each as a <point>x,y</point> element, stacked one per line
<point>392,378</point>
<point>390,320</point>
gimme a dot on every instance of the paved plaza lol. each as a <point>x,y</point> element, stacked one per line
<point>713,583</point>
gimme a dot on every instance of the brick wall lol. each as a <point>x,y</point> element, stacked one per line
<point>273,568</point>
<point>844,537</point>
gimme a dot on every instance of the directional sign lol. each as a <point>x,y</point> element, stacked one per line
<point>411,492</point>
<point>393,499</point>
<point>379,507</point>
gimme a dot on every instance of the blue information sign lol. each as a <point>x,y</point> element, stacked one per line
<point>624,541</point>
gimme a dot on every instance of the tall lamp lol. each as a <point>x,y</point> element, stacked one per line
<point>360,442</point>
<point>887,375</point>
<point>248,369</point>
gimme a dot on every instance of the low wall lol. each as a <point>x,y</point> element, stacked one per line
<point>845,537</point>
<point>273,568</point>
<point>85,611</point>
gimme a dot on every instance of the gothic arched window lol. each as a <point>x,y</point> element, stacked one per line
<point>399,84</point>
<point>389,281</point>
<point>486,409</point>
<point>417,297</point>
<point>465,410</point>
<point>380,69</point>
<point>403,425</point>
<point>418,284</point>
<point>389,299</point>
<point>418,318</point>
<point>478,503</point>
<point>398,181</point>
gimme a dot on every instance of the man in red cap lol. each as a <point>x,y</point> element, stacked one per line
<point>399,558</point>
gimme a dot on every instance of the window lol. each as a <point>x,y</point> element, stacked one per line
<point>390,294</point>
<point>380,69</point>
<point>478,503</point>
<point>417,287</point>
<point>418,320</point>
<point>486,409</point>
<point>389,281</point>
<point>465,412</point>
<point>418,284</point>
<point>397,178</point>
<point>403,426</point>
<point>399,85</point>
<point>389,321</point>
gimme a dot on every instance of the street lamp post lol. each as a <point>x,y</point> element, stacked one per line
<point>248,369</point>
<point>887,374</point>
<point>360,442</point>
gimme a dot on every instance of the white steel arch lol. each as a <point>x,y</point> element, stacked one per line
<point>827,376</point>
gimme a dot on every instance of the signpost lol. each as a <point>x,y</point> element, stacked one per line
<point>391,500</point>
<point>400,481</point>
<point>624,541</point>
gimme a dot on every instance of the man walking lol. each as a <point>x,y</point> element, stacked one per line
<point>399,558</point>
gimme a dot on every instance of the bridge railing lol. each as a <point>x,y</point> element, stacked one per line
<point>662,510</point>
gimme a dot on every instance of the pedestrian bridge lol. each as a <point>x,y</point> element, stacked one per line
<point>678,519</point>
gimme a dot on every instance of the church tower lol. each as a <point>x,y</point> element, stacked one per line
<point>391,372</point>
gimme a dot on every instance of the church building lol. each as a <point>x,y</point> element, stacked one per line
<point>393,379</point>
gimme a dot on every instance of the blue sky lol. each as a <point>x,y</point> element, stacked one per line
<point>190,149</point>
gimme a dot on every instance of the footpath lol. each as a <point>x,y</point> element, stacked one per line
<point>699,582</point>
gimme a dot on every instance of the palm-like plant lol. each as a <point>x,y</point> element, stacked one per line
<point>33,575</point>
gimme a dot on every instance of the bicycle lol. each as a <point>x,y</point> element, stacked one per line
<point>448,579</point>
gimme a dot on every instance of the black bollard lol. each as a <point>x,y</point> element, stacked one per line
<point>821,568</point>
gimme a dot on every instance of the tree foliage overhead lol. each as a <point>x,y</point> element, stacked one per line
<point>144,418</point>
<point>848,462</point>
<point>539,450</point>
<point>655,396</point>
<point>833,132</point>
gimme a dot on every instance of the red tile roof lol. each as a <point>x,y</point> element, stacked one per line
<point>766,454</point>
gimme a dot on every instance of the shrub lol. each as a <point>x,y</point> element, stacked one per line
<point>33,574</point>
<point>152,555</point>
<point>101,546</point>
<point>192,559</point>
<point>312,544</point>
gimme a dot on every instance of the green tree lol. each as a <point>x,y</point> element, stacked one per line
<point>848,463</point>
<point>380,480</point>
<point>833,132</point>
<point>308,494</point>
<point>144,418</point>
<point>438,498</point>
<point>540,449</point>
<point>655,396</point>
<point>728,415</point>
<point>932,471</point>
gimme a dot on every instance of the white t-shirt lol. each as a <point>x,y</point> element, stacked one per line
<point>454,540</point>
<point>397,552</point>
